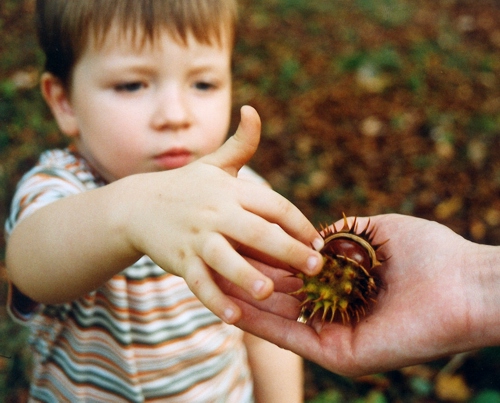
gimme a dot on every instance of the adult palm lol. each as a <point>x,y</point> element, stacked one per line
<point>434,303</point>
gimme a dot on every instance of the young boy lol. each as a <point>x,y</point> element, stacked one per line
<point>114,242</point>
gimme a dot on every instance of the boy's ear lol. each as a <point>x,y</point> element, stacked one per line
<point>57,98</point>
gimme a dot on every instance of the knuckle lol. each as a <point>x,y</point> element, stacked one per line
<point>291,249</point>
<point>211,250</point>
<point>283,207</point>
<point>192,280</point>
<point>254,236</point>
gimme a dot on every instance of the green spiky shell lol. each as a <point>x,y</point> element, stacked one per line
<point>348,283</point>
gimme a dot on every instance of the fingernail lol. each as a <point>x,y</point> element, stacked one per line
<point>312,263</point>
<point>258,286</point>
<point>228,315</point>
<point>318,243</point>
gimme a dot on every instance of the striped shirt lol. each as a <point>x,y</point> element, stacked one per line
<point>141,337</point>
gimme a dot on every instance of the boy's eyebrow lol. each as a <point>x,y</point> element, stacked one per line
<point>202,68</point>
<point>144,69</point>
<point>141,68</point>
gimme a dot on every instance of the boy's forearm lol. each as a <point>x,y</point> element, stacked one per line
<point>70,247</point>
<point>278,373</point>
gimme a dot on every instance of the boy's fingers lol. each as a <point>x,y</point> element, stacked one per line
<point>270,239</point>
<point>220,255</point>
<point>274,208</point>
<point>240,147</point>
<point>203,286</point>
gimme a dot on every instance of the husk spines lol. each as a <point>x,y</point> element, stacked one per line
<point>348,284</point>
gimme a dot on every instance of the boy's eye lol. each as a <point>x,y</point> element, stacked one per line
<point>129,87</point>
<point>204,86</point>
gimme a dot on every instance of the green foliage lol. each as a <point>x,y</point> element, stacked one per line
<point>329,396</point>
<point>15,360</point>
<point>389,13</point>
<point>386,58</point>
<point>487,396</point>
<point>368,106</point>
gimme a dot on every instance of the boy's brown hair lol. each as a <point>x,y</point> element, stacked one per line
<point>65,26</point>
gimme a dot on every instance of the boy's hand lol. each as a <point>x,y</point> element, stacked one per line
<point>192,221</point>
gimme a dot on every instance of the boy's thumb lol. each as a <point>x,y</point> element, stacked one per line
<point>241,146</point>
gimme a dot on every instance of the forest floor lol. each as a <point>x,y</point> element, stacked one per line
<point>368,107</point>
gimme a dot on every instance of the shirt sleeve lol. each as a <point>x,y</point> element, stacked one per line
<point>38,188</point>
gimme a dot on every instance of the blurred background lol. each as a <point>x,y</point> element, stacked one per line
<point>368,107</point>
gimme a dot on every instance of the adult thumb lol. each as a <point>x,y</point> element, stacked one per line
<point>241,146</point>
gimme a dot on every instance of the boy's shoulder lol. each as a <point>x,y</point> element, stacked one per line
<point>57,158</point>
<point>62,158</point>
<point>57,174</point>
<point>65,164</point>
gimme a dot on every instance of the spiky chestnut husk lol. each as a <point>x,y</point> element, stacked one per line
<point>348,284</point>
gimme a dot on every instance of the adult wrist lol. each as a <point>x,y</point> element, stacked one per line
<point>482,288</point>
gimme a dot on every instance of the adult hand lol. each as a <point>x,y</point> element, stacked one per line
<point>440,297</point>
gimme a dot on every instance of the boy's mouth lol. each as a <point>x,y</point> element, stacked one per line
<point>174,159</point>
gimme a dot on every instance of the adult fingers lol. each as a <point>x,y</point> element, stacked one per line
<point>282,331</point>
<point>283,280</point>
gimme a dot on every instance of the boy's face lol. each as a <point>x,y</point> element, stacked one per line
<point>150,108</point>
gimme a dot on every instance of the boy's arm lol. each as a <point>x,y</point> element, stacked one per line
<point>187,220</point>
<point>69,247</point>
<point>277,373</point>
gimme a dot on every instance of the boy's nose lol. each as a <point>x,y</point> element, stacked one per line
<point>171,111</point>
